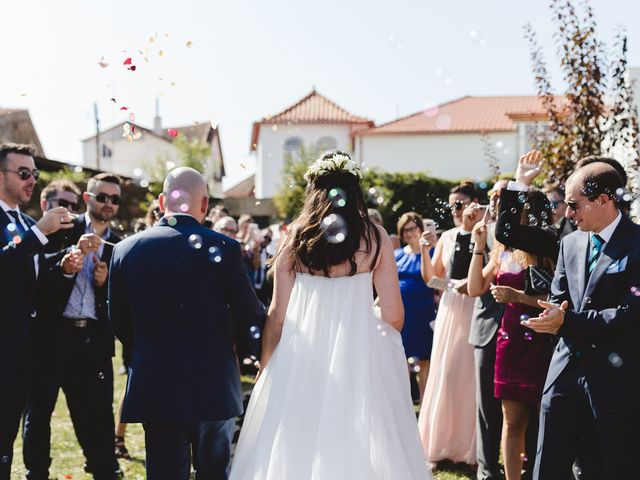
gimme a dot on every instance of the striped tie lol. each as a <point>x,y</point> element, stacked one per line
<point>596,247</point>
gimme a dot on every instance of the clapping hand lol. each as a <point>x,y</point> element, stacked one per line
<point>550,320</point>
<point>100,272</point>
<point>72,262</point>
<point>529,167</point>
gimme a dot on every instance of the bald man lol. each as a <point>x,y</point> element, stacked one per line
<point>591,404</point>
<point>181,300</point>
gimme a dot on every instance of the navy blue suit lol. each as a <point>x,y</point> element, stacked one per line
<point>591,402</point>
<point>18,304</point>
<point>181,300</point>
<point>76,359</point>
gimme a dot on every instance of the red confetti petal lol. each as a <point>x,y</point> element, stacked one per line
<point>127,61</point>
<point>132,68</point>
<point>172,132</point>
<point>68,476</point>
<point>124,108</point>
<point>133,128</point>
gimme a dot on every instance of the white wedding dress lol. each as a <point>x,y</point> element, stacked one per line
<point>334,401</point>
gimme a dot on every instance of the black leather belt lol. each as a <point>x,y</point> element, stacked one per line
<point>78,322</point>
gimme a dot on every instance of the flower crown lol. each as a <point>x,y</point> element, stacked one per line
<point>332,162</point>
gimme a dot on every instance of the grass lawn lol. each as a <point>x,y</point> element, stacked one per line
<point>68,460</point>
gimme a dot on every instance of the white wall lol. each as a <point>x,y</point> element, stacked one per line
<point>450,156</point>
<point>270,152</point>
<point>127,156</point>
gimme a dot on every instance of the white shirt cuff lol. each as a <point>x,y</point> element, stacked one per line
<point>517,186</point>
<point>43,239</point>
<point>69,275</point>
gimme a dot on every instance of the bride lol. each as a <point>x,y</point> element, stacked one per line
<point>333,400</point>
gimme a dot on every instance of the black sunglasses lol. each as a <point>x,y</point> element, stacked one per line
<point>25,173</point>
<point>459,205</point>
<point>65,203</point>
<point>104,198</point>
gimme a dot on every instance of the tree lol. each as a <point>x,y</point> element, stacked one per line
<point>391,193</point>
<point>580,122</point>
<point>191,153</point>
<point>290,198</point>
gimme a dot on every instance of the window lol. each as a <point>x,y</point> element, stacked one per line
<point>106,151</point>
<point>326,143</point>
<point>293,145</point>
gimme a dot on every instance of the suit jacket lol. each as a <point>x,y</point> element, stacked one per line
<point>602,326</point>
<point>179,298</point>
<point>565,228</point>
<point>536,240</point>
<point>17,284</point>
<point>487,316</point>
<point>55,291</point>
<point>487,313</point>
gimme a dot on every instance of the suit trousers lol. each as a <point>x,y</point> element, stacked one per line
<point>171,446</point>
<point>605,442</point>
<point>489,419</point>
<point>75,363</point>
<point>488,413</point>
<point>13,396</point>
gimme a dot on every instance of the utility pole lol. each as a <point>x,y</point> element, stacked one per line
<point>95,113</point>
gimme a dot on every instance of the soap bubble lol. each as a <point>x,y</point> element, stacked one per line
<point>334,228</point>
<point>195,241</point>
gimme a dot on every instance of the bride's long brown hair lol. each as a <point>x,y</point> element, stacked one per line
<point>310,246</point>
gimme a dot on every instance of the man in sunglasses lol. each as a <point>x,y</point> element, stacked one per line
<point>555,195</point>
<point>22,243</point>
<point>591,403</point>
<point>81,343</point>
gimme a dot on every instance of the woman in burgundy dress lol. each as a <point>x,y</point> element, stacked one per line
<point>522,356</point>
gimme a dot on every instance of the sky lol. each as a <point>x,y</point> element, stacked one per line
<point>234,63</point>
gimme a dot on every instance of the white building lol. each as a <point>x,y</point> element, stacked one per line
<point>123,155</point>
<point>457,139</point>
<point>313,121</point>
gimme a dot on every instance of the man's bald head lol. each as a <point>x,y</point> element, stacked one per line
<point>595,179</point>
<point>185,191</point>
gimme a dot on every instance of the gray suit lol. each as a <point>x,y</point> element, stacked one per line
<point>487,315</point>
<point>591,402</point>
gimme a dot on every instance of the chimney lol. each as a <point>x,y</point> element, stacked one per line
<point>157,121</point>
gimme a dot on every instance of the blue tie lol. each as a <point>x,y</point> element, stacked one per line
<point>596,247</point>
<point>16,218</point>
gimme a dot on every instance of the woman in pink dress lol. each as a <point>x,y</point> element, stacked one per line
<point>447,416</point>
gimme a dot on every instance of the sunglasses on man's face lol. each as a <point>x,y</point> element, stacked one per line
<point>104,198</point>
<point>574,206</point>
<point>25,173</point>
<point>73,206</point>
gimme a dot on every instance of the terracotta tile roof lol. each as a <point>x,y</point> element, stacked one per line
<point>198,131</point>
<point>312,109</point>
<point>468,114</point>
<point>16,126</point>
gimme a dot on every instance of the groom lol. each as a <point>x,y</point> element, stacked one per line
<point>180,299</point>
<point>591,404</point>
